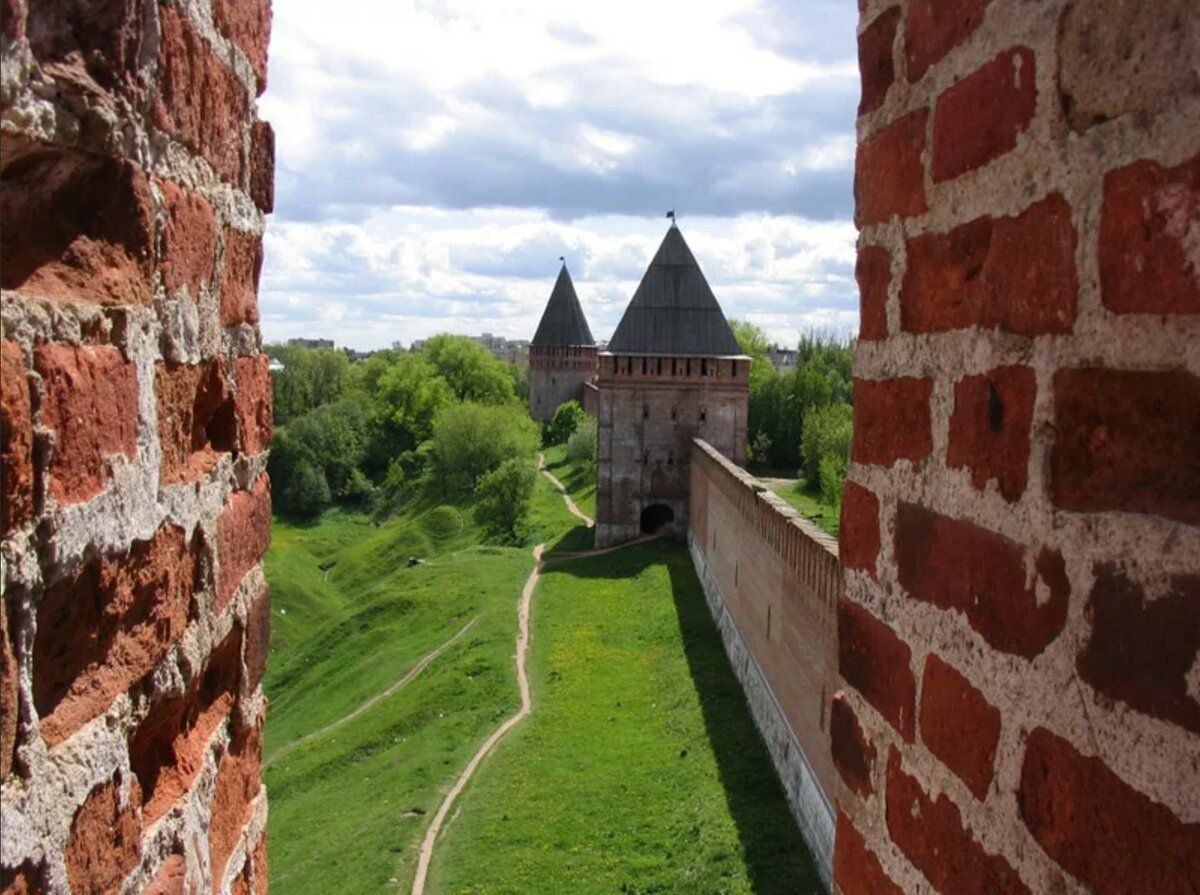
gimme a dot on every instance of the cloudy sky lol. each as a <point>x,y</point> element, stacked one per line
<point>436,157</point>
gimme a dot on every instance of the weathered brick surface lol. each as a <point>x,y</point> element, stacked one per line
<point>1127,441</point>
<point>243,534</point>
<point>853,752</point>
<point>248,24</point>
<point>1014,273</point>
<point>877,663</point>
<point>931,833</point>
<point>958,724</point>
<point>873,272</point>
<point>855,866</point>
<point>858,541</point>
<point>262,165</point>
<point>190,239</point>
<point>258,641</point>
<point>1147,234</point>
<point>932,28</point>
<point>104,41</point>
<point>875,62</point>
<point>238,784</point>
<point>957,565</point>
<point>170,879</point>
<point>89,399</point>
<point>1142,651</point>
<point>9,696</point>
<point>239,280</point>
<point>254,402</point>
<point>24,880</point>
<point>16,440</point>
<point>980,117</point>
<point>990,427</point>
<point>889,179</point>
<point>891,420</point>
<point>1103,831</point>
<point>105,841</point>
<point>197,419</point>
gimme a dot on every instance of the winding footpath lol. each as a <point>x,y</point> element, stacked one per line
<point>562,489</point>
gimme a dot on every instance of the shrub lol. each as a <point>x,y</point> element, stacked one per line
<point>567,418</point>
<point>581,446</point>
<point>471,440</point>
<point>827,432</point>
<point>832,472</point>
<point>306,494</point>
<point>502,499</point>
<point>442,522</point>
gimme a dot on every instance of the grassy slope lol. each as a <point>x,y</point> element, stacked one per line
<point>580,481</point>
<point>806,500</point>
<point>640,770</point>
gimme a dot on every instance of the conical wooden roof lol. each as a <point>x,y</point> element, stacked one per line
<point>563,322</point>
<point>673,310</point>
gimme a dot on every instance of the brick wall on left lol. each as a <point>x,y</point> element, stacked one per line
<point>136,415</point>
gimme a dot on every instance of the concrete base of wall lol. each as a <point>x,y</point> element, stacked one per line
<point>812,811</point>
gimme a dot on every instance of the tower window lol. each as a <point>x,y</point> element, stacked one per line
<point>703,366</point>
<point>674,413</point>
<point>645,411</point>
<point>703,414</point>
<point>688,366</point>
<point>643,366</point>
<point>660,366</point>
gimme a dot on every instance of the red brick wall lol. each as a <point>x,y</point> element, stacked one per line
<point>556,375</point>
<point>1021,533</point>
<point>135,414</point>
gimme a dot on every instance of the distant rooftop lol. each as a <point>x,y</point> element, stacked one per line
<point>563,322</point>
<point>674,310</point>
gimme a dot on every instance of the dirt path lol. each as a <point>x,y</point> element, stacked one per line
<point>526,707</point>
<point>578,513</point>
<point>399,685</point>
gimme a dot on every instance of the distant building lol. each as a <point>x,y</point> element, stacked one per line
<point>784,360</point>
<point>562,354</point>
<point>311,343</point>
<point>672,372</point>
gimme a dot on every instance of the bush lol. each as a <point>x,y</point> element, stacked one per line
<point>832,472</point>
<point>442,522</point>
<point>502,499</point>
<point>471,440</point>
<point>827,432</point>
<point>581,446</point>
<point>306,494</point>
<point>567,418</point>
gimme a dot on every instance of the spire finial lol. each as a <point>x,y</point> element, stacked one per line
<point>671,215</point>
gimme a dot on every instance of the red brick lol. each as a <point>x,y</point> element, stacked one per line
<point>103,41</point>
<point>248,24</point>
<point>170,879</point>
<point>891,420</point>
<point>239,280</point>
<point>958,566</point>
<point>931,833</point>
<point>1016,274</point>
<point>1141,651</point>
<point>77,227</point>
<point>979,118</point>
<point>932,28</point>
<point>243,534</point>
<point>10,702</point>
<point>853,753</point>
<point>22,880</point>
<point>253,878</point>
<point>958,725</point>
<point>103,629</point>
<point>1111,837</point>
<point>258,641</point>
<point>238,783</point>
<point>262,165</point>
<point>874,274</point>
<point>889,178</point>
<point>877,663</point>
<point>875,62</point>
<point>200,101</point>
<point>856,870</point>
<point>1127,441</point>
<point>13,15</point>
<point>1148,226</point>
<point>16,440</point>
<point>90,401</point>
<point>254,401</point>
<point>189,240</point>
<point>197,419</point>
<point>168,748</point>
<point>105,842</point>
<point>858,543</point>
<point>989,430</point>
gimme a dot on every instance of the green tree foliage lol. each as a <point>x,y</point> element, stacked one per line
<point>581,446</point>
<point>471,440</point>
<point>827,432</point>
<point>502,499</point>
<point>408,397</point>
<point>567,417</point>
<point>306,493</point>
<point>310,377</point>
<point>472,372</point>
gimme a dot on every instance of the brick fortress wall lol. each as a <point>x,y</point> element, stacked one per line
<point>772,581</point>
<point>1021,529</point>
<point>136,414</point>
<point>558,374</point>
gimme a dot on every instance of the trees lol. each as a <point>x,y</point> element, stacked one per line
<point>567,417</point>
<point>502,499</point>
<point>310,377</point>
<point>471,371</point>
<point>826,448</point>
<point>470,440</point>
<point>581,446</point>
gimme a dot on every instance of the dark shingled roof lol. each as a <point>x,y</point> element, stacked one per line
<point>674,311</point>
<point>563,322</point>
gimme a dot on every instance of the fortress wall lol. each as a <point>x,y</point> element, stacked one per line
<point>772,580</point>
<point>1021,528</point>
<point>558,375</point>
<point>136,415</point>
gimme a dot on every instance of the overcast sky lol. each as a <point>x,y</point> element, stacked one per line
<point>435,158</point>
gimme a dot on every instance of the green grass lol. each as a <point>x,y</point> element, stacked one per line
<point>805,499</point>
<point>579,479</point>
<point>640,770</point>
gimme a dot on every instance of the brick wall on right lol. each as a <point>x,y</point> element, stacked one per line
<point>1021,526</point>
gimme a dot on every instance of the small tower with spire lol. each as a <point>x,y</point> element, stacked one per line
<point>562,354</point>
<point>672,372</point>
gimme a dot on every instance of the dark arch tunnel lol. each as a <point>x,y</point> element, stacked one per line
<point>655,517</point>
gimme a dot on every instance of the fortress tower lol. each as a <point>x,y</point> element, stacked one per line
<point>562,355</point>
<point>672,372</point>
